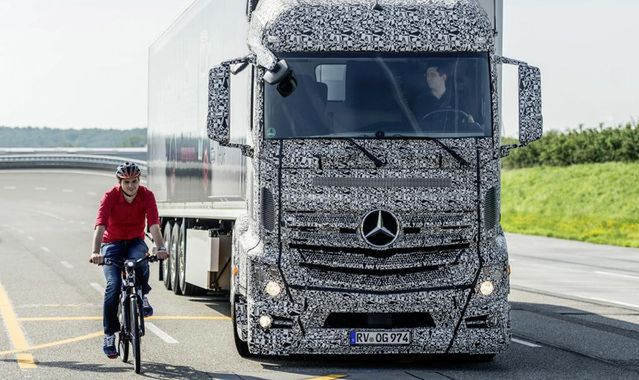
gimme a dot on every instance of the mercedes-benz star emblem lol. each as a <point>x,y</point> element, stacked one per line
<point>380,228</point>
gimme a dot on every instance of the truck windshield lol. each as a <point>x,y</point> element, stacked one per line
<point>383,96</point>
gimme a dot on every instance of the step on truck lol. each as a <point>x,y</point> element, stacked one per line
<point>335,166</point>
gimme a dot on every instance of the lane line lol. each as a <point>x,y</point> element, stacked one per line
<point>93,318</point>
<point>39,188</point>
<point>97,287</point>
<point>525,343</point>
<point>50,215</point>
<point>69,266</point>
<point>9,187</point>
<point>53,344</point>
<point>161,334</point>
<point>613,302</point>
<point>30,238</point>
<point>45,249</point>
<point>16,335</point>
<point>327,377</point>
<point>617,275</point>
<point>91,193</point>
<point>67,190</point>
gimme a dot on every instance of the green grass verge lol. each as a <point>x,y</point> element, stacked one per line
<point>597,203</point>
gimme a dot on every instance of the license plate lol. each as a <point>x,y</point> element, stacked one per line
<point>358,338</point>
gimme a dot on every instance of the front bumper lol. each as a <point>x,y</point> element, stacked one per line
<point>300,327</point>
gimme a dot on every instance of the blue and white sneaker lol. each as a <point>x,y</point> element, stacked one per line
<point>147,309</point>
<point>109,346</point>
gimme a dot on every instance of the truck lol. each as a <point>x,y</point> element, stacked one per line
<point>334,165</point>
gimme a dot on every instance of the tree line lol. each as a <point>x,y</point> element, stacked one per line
<point>579,146</point>
<point>43,137</point>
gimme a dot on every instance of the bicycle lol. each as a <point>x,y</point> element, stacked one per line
<point>130,310</point>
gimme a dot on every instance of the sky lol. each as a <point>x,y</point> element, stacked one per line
<point>83,63</point>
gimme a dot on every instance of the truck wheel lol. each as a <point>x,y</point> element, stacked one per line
<point>166,265</point>
<point>240,345</point>
<point>175,241</point>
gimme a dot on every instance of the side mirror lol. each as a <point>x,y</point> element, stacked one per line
<point>530,118</point>
<point>218,119</point>
<point>219,104</point>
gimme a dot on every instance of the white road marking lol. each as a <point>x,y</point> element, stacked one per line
<point>45,249</point>
<point>161,334</point>
<point>525,343</point>
<point>613,302</point>
<point>91,193</point>
<point>66,264</point>
<point>21,231</point>
<point>67,190</point>
<point>30,238</point>
<point>40,188</point>
<point>97,287</point>
<point>50,215</point>
<point>9,187</point>
<point>617,275</point>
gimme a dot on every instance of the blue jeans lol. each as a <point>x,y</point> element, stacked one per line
<point>121,250</point>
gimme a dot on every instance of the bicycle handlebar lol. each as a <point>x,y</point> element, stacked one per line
<point>120,263</point>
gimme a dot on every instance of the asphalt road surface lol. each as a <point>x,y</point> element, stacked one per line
<point>575,307</point>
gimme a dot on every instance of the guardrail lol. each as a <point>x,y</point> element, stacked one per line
<point>66,161</point>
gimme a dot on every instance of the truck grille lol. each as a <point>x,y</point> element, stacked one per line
<point>330,250</point>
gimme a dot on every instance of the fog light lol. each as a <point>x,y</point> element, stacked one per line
<point>486,288</point>
<point>273,289</point>
<point>266,321</point>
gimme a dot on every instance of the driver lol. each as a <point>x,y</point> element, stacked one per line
<point>437,97</point>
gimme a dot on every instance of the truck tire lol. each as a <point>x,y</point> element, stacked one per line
<point>240,345</point>
<point>166,265</point>
<point>175,240</point>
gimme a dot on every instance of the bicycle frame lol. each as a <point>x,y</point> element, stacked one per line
<point>130,294</point>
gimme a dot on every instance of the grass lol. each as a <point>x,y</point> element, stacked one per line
<point>597,203</point>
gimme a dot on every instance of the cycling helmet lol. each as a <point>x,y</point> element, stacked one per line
<point>127,170</point>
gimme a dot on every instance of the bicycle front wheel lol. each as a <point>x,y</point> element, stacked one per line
<point>135,332</point>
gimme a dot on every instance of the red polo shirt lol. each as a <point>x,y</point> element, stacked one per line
<point>123,220</point>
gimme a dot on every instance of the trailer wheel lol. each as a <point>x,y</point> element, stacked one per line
<point>166,265</point>
<point>175,242</point>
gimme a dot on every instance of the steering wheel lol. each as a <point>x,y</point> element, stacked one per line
<point>467,116</point>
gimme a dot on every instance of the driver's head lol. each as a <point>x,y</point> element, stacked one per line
<point>436,77</point>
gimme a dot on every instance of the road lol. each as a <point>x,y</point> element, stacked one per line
<point>575,312</point>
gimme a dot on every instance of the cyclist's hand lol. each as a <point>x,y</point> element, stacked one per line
<point>96,258</point>
<point>162,254</point>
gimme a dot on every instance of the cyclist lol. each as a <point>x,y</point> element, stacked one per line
<point>119,235</point>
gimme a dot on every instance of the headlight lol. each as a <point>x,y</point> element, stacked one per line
<point>486,288</point>
<point>273,289</point>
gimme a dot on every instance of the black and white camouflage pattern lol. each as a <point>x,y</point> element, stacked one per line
<point>530,118</point>
<point>319,191</point>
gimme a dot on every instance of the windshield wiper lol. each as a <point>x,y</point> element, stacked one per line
<point>450,151</point>
<point>378,163</point>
